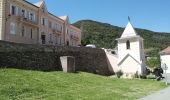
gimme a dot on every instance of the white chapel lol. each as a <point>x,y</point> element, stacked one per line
<point>130,57</point>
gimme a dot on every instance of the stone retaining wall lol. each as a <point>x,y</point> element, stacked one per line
<point>47,58</point>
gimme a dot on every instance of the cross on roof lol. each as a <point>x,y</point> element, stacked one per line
<point>128,18</point>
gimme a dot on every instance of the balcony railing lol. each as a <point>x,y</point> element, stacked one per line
<point>75,37</point>
<point>57,32</point>
<point>27,21</point>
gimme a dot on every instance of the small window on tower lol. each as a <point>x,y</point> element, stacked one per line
<point>128,44</point>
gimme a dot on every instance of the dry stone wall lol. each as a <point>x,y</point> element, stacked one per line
<point>47,58</point>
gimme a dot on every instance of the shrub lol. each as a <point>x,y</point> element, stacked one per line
<point>143,76</point>
<point>136,75</point>
<point>119,73</point>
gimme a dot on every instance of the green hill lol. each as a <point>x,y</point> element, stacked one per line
<point>103,35</point>
<point>33,85</point>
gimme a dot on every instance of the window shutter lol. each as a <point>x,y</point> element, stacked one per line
<point>34,17</point>
<point>53,25</point>
<point>16,12</point>
<point>41,20</point>
<point>25,14</point>
<point>12,28</point>
<point>24,30</point>
<point>46,21</point>
<point>10,9</point>
<point>19,11</point>
<point>29,17</point>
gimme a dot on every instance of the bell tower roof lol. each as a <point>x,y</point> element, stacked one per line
<point>129,30</point>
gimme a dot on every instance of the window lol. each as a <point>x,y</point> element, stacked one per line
<point>56,27</point>
<point>50,37</point>
<point>61,28</point>
<point>23,13</point>
<point>23,31</point>
<point>50,24</point>
<point>12,28</point>
<point>31,16</point>
<point>56,40</point>
<point>60,40</point>
<point>72,42</point>
<point>43,21</point>
<point>31,33</point>
<point>13,10</point>
<point>128,44</point>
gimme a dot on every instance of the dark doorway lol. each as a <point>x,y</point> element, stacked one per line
<point>43,39</point>
<point>67,43</point>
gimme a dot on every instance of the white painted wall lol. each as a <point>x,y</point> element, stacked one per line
<point>133,51</point>
<point>136,51</point>
<point>130,66</point>
<point>166,59</point>
<point>112,61</point>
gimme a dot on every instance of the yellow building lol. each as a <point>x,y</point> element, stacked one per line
<point>24,22</point>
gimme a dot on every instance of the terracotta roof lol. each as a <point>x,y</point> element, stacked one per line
<point>166,51</point>
<point>38,4</point>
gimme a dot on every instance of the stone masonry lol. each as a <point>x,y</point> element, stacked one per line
<point>47,58</point>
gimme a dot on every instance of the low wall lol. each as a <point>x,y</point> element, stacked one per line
<point>47,58</point>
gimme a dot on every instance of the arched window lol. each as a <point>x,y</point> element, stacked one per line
<point>127,44</point>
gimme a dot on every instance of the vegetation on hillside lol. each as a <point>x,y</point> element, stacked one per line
<point>32,85</point>
<point>104,35</point>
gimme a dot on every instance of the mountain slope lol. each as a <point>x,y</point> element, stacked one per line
<point>104,35</point>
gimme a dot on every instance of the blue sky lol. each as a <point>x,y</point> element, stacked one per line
<point>147,14</point>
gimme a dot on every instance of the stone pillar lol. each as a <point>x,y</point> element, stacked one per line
<point>2,18</point>
<point>68,64</point>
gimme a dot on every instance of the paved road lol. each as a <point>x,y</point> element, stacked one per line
<point>160,95</point>
<point>167,78</point>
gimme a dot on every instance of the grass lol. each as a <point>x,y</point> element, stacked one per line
<point>32,85</point>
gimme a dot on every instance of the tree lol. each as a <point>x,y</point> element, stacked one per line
<point>153,62</point>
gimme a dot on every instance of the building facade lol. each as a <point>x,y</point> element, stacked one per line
<point>24,22</point>
<point>165,59</point>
